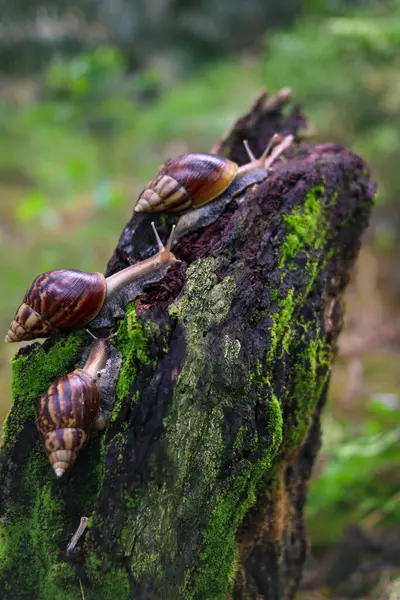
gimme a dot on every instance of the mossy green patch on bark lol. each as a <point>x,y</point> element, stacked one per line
<point>36,531</point>
<point>32,535</point>
<point>206,301</point>
<point>311,372</point>
<point>306,229</point>
<point>134,339</point>
<point>215,577</point>
<point>305,226</point>
<point>281,321</point>
<point>306,235</point>
<point>112,584</point>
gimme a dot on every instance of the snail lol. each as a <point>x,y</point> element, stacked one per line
<point>205,182</point>
<point>62,300</point>
<point>70,408</point>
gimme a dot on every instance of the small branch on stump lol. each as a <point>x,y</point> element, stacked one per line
<point>196,490</point>
<point>77,535</point>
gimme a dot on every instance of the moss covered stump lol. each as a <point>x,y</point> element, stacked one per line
<point>196,490</point>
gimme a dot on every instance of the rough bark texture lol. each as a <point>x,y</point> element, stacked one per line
<point>197,488</point>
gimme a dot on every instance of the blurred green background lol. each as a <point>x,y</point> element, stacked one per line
<point>96,94</point>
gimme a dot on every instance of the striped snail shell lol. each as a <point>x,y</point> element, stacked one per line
<point>67,411</point>
<point>57,301</point>
<point>193,180</point>
<point>185,182</point>
<point>208,209</point>
<point>63,300</point>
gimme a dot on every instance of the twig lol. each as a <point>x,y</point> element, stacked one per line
<point>251,120</point>
<point>81,586</point>
<point>278,100</point>
<point>77,535</point>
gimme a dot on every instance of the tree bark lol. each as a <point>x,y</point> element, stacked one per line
<point>196,490</point>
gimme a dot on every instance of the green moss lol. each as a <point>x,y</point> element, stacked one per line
<point>214,579</point>
<point>281,321</point>
<point>157,508</point>
<point>306,232</point>
<point>274,295</point>
<point>133,343</point>
<point>32,537</point>
<point>12,538</point>
<point>304,227</point>
<point>206,301</point>
<point>135,338</point>
<point>244,435</point>
<point>110,585</point>
<point>195,437</point>
<point>310,373</point>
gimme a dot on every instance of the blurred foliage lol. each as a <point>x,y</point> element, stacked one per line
<point>177,34</point>
<point>86,78</point>
<point>360,480</point>
<point>345,71</point>
<point>73,161</point>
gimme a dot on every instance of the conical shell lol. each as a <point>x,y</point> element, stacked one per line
<point>28,325</point>
<point>62,447</point>
<point>65,414</point>
<point>61,460</point>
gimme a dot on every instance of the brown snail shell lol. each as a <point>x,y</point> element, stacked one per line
<point>68,409</point>
<point>187,181</point>
<point>57,301</point>
<point>65,414</point>
<point>63,300</point>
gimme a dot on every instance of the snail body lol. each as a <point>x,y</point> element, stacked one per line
<point>208,213</point>
<point>66,299</point>
<point>68,410</point>
<point>193,180</point>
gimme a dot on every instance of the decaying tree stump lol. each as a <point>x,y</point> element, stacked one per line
<point>196,490</point>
